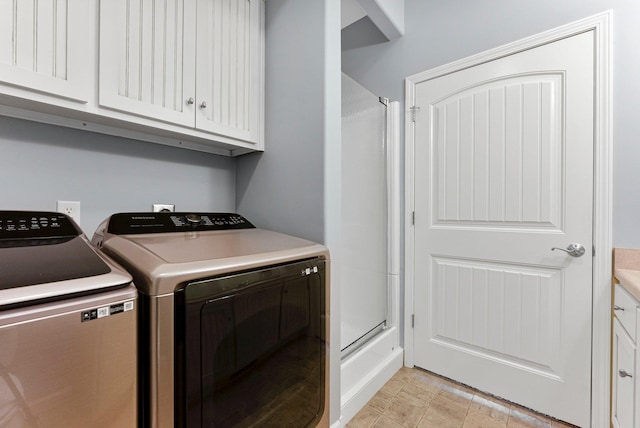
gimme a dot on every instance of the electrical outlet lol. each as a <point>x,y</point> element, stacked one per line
<point>160,208</point>
<point>70,208</point>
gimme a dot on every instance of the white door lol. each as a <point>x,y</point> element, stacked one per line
<point>503,173</point>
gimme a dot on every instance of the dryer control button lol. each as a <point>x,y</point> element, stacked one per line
<point>193,219</point>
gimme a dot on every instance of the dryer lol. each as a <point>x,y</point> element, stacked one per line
<point>68,328</point>
<point>234,319</point>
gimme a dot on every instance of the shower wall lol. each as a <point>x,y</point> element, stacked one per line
<point>364,286</point>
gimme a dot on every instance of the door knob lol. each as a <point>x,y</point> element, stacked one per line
<point>574,250</point>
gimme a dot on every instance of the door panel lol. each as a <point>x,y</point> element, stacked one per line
<point>42,46</point>
<point>503,173</point>
<point>147,58</point>
<point>507,314</point>
<point>228,69</point>
<point>484,181</point>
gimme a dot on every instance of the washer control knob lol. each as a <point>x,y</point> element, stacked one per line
<point>193,219</point>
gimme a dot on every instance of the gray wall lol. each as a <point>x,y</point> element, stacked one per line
<point>438,32</point>
<point>40,164</point>
<point>295,185</point>
<point>282,188</point>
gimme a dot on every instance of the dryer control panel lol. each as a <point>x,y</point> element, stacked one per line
<point>166,222</point>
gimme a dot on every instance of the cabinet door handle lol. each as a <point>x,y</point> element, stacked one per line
<point>618,308</point>
<point>190,101</point>
<point>203,105</point>
<point>624,373</point>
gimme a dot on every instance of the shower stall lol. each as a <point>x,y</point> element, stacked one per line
<point>369,294</point>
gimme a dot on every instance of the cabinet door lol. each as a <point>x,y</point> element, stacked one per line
<point>42,45</point>
<point>147,58</point>
<point>229,72</point>
<point>623,378</point>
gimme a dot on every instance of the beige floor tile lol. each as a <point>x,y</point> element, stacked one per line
<point>414,397</point>
<point>443,413</point>
<point>393,386</point>
<point>421,399</point>
<point>521,418</point>
<point>418,391</point>
<point>489,406</point>
<point>428,376</point>
<point>437,421</point>
<point>381,400</point>
<point>405,374</point>
<point>365,418</point>
<point>404,412</point>
<point>458,394</point>
<point>482,420</point>
<point>425,383</point>
<point>385,422</point>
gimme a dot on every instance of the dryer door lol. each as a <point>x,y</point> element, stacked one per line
<point>250,348</point>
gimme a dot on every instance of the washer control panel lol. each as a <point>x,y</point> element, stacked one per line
<point>35,224</point>
<point>166,222</point>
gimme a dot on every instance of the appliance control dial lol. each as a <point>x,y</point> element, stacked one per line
<point>193,219</point>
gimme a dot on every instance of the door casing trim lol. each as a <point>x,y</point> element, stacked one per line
<point>601,25</point>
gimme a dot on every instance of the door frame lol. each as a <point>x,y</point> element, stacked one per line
<point>601,25</point>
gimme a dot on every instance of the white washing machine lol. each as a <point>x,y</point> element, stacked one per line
<point>234,319</point>
<point>68,328</point>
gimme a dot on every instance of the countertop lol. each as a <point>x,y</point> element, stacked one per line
<point>626,269</point>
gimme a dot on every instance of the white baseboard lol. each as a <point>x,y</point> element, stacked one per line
<point>364,372</point>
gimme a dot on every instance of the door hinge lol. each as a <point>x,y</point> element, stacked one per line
<point>413,218</point>
<point>414,113</point>
<point>413,320</point>
<point>593,250</point>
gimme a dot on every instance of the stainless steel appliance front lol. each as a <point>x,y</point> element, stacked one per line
<point>58,371</point>
<point>68,328</point>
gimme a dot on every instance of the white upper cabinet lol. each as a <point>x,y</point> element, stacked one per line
<point>195,63</point>
<point>229,68</point>
<point>185,73</point>
<point>147,58</point>
<point>42,47</point>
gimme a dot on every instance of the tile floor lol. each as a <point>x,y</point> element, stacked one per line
<point>414,398</point>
